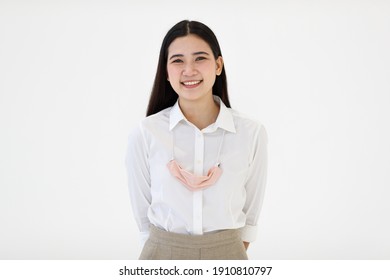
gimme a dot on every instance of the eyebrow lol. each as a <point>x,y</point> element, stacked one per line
<point>195,53</point>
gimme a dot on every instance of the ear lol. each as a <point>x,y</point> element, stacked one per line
<point>219,65</point>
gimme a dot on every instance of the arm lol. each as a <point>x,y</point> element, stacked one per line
<point>255,185</point>
<point>138,175</point>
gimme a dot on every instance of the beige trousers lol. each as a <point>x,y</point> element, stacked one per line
<point>222,245</point>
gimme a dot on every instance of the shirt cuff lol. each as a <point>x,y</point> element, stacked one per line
<point>144,235</point>
<point>248,233</point>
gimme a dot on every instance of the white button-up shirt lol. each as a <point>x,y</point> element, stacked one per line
<point>233,202</point>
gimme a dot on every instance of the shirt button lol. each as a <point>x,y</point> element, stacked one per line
<point>199,161</point>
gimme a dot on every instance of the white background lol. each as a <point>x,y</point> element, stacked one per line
<point>75,77</point>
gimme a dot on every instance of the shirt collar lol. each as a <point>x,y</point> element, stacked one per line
<point>224,119</point>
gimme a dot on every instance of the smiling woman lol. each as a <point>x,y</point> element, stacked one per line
<point>196,167</point>
<point>192,72</point>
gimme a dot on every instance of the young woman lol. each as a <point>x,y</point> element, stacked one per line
<point>196,168</point>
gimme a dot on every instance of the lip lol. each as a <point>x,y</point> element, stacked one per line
<point>191,85</point>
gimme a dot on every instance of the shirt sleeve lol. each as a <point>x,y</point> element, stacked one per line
<point>138,174</point>
<point>255,185</point>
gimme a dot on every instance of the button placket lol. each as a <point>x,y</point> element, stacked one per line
<point>198,195</point>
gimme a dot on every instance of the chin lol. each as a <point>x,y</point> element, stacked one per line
<point>192,97</point>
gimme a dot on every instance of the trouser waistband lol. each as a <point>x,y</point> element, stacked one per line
<point>194,241</point>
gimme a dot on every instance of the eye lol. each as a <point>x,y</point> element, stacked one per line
<point>177,61</point>
<point>200,58</point>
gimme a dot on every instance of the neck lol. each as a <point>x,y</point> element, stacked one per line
<point>201,113</point>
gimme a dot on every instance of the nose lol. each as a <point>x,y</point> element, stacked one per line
<point>189,69</point>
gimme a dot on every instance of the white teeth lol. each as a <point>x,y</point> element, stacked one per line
<point>191,83</point>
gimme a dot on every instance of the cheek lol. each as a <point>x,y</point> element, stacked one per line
<point>209,70</point>
<point>209,74</point>
<point>173,72</point>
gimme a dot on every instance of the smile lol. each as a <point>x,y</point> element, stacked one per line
<point>191,83</point>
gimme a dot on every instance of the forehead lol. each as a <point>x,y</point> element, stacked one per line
<point>188,44</point>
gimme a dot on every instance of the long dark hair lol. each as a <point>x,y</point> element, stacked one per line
<point>163,95</point>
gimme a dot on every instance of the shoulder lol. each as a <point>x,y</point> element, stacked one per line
<point>156,119</point>
<point>151,124</point>
<point>246,122</point>
<point>251,129</point>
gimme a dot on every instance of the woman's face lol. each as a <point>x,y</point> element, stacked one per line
<point>192,68</point>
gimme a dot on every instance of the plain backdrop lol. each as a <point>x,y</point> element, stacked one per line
<point>75,77</point>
